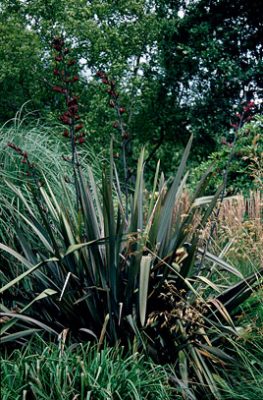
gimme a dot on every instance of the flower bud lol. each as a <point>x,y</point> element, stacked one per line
<point>65,119</point>
<point>81,140</point>
<point>125,135</point>
<point>58,41</point>
<point>14,147</point>
<point>100,74</point>
<point>57,47</point>
<point>72,101</point>
<point>78,127</point>
<point>71,62</point>
<point>73,109</point>
<point>59,89</point>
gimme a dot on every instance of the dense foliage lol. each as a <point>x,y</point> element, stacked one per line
<point>97,243</point>
<point>174,74</point>
<point>112,269</point>
<point>245,169</point>
<point>81,371</point>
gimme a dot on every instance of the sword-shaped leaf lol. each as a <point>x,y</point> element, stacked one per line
<point>145,267</point>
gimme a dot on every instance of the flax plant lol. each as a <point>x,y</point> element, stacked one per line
<point>120,268</point>
<point>100,277</point>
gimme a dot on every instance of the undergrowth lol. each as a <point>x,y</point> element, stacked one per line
<point>43,371</point>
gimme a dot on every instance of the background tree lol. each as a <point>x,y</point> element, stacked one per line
<point>20,66</point>
<point>179,66</point>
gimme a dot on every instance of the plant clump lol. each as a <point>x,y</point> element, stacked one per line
<point>108,270</point>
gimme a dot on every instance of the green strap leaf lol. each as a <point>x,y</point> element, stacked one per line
<point>24,274</point>
<point>12,337</point>
<point>145,267</point>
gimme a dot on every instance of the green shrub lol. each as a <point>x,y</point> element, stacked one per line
<point>246,167</point>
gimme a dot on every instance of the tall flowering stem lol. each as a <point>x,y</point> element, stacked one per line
<point>64,73</point>
<point>119,125</point>
<point>31,171</point>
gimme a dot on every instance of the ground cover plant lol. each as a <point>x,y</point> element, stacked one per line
<point>44,371</point>
<point>122,262</point>
<point>64,365</point>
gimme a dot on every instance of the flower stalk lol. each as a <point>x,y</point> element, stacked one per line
<point>119,125</point>
<point>70,118</point>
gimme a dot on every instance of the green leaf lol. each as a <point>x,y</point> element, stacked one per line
<point>220,354</point>
<point>223,264</point>
<point>44,294</point>
<point>238,293</point>
<point>145,267</point>
<point>168,207</point>
<point>74,247</point>
<point>24,274</point>
<point>12,337</point>
<point>15,254</point>
<point>29,320</point>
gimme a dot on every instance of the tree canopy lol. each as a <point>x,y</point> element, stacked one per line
<point>180,66</point>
